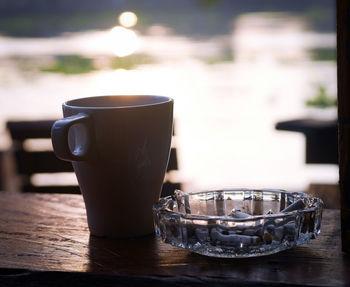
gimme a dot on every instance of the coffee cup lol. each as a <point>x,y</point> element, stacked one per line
<point>119,147</point>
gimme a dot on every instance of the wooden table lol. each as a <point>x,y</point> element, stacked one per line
<point>44,240</point>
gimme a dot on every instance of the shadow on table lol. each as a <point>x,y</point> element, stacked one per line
<point>287,266</point>
<point>150,256</point>
<point>124,256</point>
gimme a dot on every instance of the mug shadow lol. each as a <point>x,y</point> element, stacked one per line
<point>124,256</point>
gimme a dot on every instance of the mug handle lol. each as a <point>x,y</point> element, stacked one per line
<point>59,137</point>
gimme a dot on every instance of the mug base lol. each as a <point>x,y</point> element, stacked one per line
<point>131,237</point>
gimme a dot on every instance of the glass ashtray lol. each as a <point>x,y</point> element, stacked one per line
<point>237,223</point>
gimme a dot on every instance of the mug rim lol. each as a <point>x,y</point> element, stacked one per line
<point>160,101</point>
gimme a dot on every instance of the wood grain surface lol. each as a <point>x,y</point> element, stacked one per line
<point>45,232</point>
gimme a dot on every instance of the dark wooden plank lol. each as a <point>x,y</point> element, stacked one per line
<point>307,125</point>
<point>40,162</point>
<point>22,130</point>
<point>343,59</point>
<point>49,233</point>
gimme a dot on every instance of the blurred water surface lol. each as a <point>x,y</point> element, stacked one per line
<point>229,92</point>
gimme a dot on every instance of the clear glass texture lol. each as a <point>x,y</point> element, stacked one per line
<point>236,223</point>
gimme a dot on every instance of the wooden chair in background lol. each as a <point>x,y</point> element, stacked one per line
<point>321,148</point>
<point>29,163</point>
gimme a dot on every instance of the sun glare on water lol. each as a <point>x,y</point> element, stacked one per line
<point>123,41</point>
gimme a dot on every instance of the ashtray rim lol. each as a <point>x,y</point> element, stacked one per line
<point>162,205</point>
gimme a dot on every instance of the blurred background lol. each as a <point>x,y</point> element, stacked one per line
<point>234,69</point>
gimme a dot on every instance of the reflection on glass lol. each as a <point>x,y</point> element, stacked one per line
<point>123,41</point>
<point>128,19</point>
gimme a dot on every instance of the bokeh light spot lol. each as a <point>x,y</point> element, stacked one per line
<point>128,19</point>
